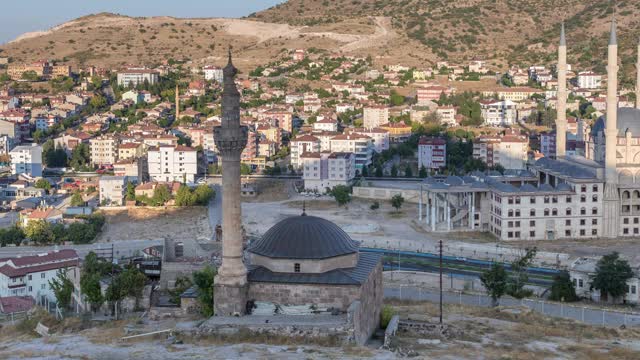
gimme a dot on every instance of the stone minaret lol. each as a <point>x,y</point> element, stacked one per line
<point>611,198</point>
<point>638,79</point>
<point>230,289</point>
<point>177,103</point>
<point>561,120</point>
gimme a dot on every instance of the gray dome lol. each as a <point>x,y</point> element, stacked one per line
<point>304,237</point>
<point>628,118</point>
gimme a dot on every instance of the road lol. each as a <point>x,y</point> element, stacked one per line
<point>122,248</point>
<point>586,315</point>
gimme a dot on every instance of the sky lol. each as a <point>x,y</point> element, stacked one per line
<point>18,17</point>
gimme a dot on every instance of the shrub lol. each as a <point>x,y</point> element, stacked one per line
<point>385,316</point>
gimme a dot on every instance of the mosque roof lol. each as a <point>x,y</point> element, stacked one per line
<point>628,119</point>
<point>304,237</point>
<point>566,168</point>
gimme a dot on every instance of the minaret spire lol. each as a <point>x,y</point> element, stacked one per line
<point>561,119</point>
<point>638,78</point>
<point>177,102</point>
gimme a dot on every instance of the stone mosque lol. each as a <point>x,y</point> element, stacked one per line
<point>302,261</point>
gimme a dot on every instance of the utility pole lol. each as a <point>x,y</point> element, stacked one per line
<point>440,243</point>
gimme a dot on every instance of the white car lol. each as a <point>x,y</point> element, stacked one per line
<point>201,181</point>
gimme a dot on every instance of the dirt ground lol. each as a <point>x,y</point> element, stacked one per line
<point>512,333</point>
<point>157,223</point>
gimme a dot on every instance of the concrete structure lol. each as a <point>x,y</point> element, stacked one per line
<point>231,286</point>
<point>582,271</point>
<point>104,150</point>
<point>561,120</point>
<point>173,163</point>
<point>137,76</point>
<point>509,151</point>
<point>112,190</point>
<point>360,145</point>
<point>213,73</point>
<point>27,159</point>
<point>432,153</point>
<point>499,113</point>
<point>589,80</point>
<point>379,137</point>
<point>322,171</point>
<point>374,116</point>
<point>300,145</point>
<point>30,275</point>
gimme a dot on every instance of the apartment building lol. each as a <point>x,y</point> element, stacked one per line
<point>213,73</point>
<point>360,145</point>
<point>432,153</point>
<point>589,80</point>
<point>447,115</point>
<point>27,159</point>
<point>429,94</point>
<point>499,113</point>
<point>322,171</point>
<point>104,150</point>
<point>112,190</point>
<point>137,76</point>
<point>374,116</point>
<point>173,163</point>
<point>509,151</point>
<point>301,145</point>
<point>41,68</point>
<point>132,150</point>
<point>380,137</point>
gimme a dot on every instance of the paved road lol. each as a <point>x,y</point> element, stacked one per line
<point>123,248</point>
<point>587,315</point>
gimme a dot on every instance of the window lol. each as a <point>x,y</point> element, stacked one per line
<point>567,233</point>
<point>595,188</point>
<point>625,221</point>
<point>625,231</point>
<point>510,234</point>
<point>568,199</point>
<point>517,234</point>
<point>580,283</point>
<point>567,222</point>
<point>296,267</point>
<point>510,213</point>
<point>594,198</point>
<point>510,201</point>
<point>568,212</point>
<point>532,223</point>
<point>594,211</point>
<point>583,232</point>
<point>554,199</point>
<point>546,199</point>
<point>510,224</point>
<point>583,222</point>
<point>517,224</point>
<point>518,200</point>
<point>532,200</point>
<point>583,198</point>
<point>532,212</point>
<point>583,211</point>
<point>532,234</point>
<point>30,289</point>
<point>42,275</point>
<point>594,232</point>
<point>583,188</point>
<point>29,276</point>
<point>635,220</point>
<point>546,212</point>
<point>554,212</point>
<point>43,286</point>
<point>574,282</point>
<point>633,289</point>
<point>517,212</point>
<point>635,230</point>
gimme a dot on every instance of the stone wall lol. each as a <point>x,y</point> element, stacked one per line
<point>367,318</point>
<point>379,193</point>
<point>306,265</point>
<point>172,270</point>
<point>335,296</point>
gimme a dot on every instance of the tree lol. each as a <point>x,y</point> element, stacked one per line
<point>181,285</point>
<point>30,76</point>
<point>495,281</point>
<point>245,169</point>
<point>160,196</point>
<point>611,276</point>
<point>11,236</point>
<point>396,99</point>
<point>204,282</point>
<point>80,156</point>
<point>562,288</point>
<point>43,184</point>
<point>90,287</point>
<point>203,194</point>
<point>515,284</point>
<point>184,197</point>
<point>40,232</point>
<point>423,173</point>
<point>408,172</point>
<point>62,288</point>
<point>394,171</point>
<point>76,199</point>
<point>365,171</point>
<point>131,191</point>
<point>342,194</point>
<point>98,102</point>
<point>379,172</point>
<point>397,201</point>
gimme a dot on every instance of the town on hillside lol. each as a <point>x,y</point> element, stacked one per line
<point>320,202</point>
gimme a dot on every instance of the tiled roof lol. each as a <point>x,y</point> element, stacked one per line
<point>13,304</point>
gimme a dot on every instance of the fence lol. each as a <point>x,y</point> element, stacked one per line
<point>587,315</point>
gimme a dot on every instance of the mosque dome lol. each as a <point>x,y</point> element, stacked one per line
<point>628,119</point>
<point>304,237</point>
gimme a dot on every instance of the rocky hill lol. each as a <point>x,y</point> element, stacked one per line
<point>412,32</point>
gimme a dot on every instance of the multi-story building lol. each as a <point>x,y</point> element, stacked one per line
<point>429,94</point>
<point>27,159</point>
<point>300,145</point>
<point>509,151</point>
<point>213,73</point>
<point>30,275</point>
<point>514,93</point>
<point>6,144</point>
<point>398,132</point>
<point>380,137</point>
<point>432,153</point>
<point>137,76</point>
<point>589,80</point>
<point>104,150</point>
<point>112,190</point>
<point>326,125</point>
<point>41,68</point>
<point>60,71</point>
<point>374,116</point>
<point>447,115</point>
<point>281,117</point>
<point>173,163</point>
<point>135,170</point>
<point>499,113</point>
<point>130,150</point>
<point>324,170</point>
<point>360,145</point>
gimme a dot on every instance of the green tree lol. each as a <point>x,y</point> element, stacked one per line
<point>245,169</point>
<point>394,170</point>
<point>342,194</point>
<point>204,282</point>
<point>611,277</point>
<point>90,287</point>
<point>408,172</point>
<point>131,191</point>
<point>43,184</point>
<point>515,284</point>
<point>98,102</point>
<point>562,288</point>
<point>80,156</point>
<point>76,199</point>
<point>423,173</point>
<point>160,196</point>
<point>182,284</point>
<point>184,196</point>
<point>397,201</point>
<point>396,99</point>
<point>379,172</point>
<point>11,236</point>
<point>30,76</point>
<point>203,194</point>
<point>40,232</point>
<point>495,282</point>
<point>62,288</point>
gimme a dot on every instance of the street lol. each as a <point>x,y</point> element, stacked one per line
<point>122,248</point>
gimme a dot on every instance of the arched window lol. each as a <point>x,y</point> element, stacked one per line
<point>546,212</point>
<point>583,198</point>
<point>568,212</point>
<point>554,212</point>
<point>583,211</point>
<point>594,211</point>
<point>594,198</point>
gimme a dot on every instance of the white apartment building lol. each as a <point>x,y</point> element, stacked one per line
<point>360,145</point>
<point>326,125</point>
<point>447,115</point>
<point>300,145</point>
<point>213,73</point>
<point>432,153</point>
<point>112,190</point>
<point>137,76</point>
<point>499,113</point>
<point>30,275</point>
<point>322,171</point>
<point>6,144</point>
<point>173,163</point>
<point>26,159</point>
<point>589,80</point>
<point>374,116</point>
<point>380,137</point>
<point>509,151</point>
<point>104,150</point>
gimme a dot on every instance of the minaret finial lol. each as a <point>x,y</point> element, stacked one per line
<point>304,208</point>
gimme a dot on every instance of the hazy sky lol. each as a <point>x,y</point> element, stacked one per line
<point>20,16</point>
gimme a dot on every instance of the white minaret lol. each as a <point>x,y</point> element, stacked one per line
<point>561,120</point>
<point>611,197</point>
<point>638,79</point>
